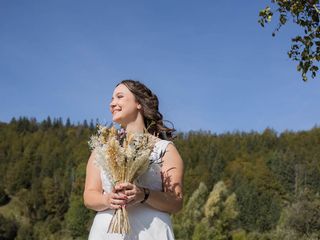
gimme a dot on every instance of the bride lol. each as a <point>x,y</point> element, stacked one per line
<point>156,193</point>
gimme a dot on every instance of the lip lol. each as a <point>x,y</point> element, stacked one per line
<point>115,111</point>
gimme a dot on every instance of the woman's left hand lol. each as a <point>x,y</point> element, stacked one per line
<point>134,193</point>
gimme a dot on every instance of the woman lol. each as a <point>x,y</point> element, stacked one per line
<point>156,193</point>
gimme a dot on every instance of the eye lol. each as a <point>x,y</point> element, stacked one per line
<point>120,96</point>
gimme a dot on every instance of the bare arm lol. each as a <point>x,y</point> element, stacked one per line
<point>93,195</point>
<point>170,200</point>
<point>172,176</point>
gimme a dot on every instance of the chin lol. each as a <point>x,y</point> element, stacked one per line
<point>116,120</point>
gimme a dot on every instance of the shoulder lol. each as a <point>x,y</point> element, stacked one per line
<point>163,145</point>
<point>170,148</point>
<point>167,149</point>
<point>171,158</point>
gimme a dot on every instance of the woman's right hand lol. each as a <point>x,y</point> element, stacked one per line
<point>117,199</point>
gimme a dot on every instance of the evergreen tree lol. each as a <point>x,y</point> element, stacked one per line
<point>220,212</point>
<point>192,213</point>
<point>301,217</point>
<point>77,217</point>
<point>42,168</point>
<point>68,123</point>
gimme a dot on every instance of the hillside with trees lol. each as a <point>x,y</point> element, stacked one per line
<point>239,185</point>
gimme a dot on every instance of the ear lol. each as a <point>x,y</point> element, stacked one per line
<point>139,106</point>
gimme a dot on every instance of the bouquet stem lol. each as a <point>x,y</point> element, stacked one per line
<point>119,222</point>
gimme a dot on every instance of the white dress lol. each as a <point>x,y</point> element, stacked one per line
<point>146,222</point>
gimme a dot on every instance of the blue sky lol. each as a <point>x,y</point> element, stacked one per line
<point>210,63</point>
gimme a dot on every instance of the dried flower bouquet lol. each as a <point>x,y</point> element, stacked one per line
<point>124,157</point>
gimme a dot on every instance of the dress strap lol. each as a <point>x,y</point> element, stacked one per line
<point>162,145</point>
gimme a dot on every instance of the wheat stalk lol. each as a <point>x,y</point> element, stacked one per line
<point>124,159</point>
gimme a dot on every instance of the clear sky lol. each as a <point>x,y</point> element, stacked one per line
<point>210,63</point>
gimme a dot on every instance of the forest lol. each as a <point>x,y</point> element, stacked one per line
<point>237,185</point>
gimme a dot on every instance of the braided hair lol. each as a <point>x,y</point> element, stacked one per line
<point>149,102</point>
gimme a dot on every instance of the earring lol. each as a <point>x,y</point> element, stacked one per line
<point>139,106</point>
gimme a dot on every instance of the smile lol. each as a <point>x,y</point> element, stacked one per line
<point>115,111</point>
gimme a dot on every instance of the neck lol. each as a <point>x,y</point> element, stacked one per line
<point>136,126</point>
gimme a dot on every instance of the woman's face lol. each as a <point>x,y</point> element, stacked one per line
<point>123,107</point>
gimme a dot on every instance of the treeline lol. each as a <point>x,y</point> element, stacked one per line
<point>251,186</point>
<point>243,186</point>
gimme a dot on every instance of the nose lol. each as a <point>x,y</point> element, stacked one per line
<point>112,105</point>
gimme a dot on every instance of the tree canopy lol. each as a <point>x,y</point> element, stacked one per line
<point>305,48</point>
<point>237,185</point>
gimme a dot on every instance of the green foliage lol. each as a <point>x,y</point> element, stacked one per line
<point>39,166</point>
<point>220,211</point>
<point>302,216</point>
<point>55,202</point>
<point>4,198</point>
<point>305,48</point>
<point>54,225</point>
<point>239,234</point>
<point>258,182</point>
<point>259,236</point>
<point>25,233</point>
<point>203,230</point>
<point>193,213</point>
<point>257,191</point>
<point>258,210</point>
<point>77,217</point>
<point>8,228</point>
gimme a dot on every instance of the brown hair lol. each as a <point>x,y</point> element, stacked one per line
<point>153,119</point>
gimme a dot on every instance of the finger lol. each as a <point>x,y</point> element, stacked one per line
<point>118,191</point>
<point>126,185</point>
<point>119,195</point>
<point>117,188</point>
<point>131,198</point>
<point>130,192</point>
<point>118,202</point>
<point>115,206</point>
